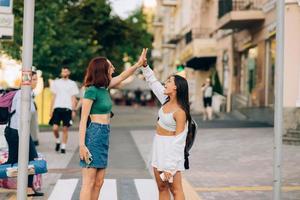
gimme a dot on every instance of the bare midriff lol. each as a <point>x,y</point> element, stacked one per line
<point>100,118</point>
<point>163,132</point>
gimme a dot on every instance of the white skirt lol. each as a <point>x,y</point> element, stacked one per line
<point>163,148</point>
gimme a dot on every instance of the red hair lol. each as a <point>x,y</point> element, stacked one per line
<point>97,73</point>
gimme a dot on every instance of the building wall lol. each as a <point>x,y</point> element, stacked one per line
<point>225,64</point>
<point>196,79</point>
<point>292,52</point>
<point>178,21</point>
<point>292,66</point>
<point>245,40</point>
<point>204,14</point>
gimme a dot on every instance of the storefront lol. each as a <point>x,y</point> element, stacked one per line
<point>246,75</point>
<point>198,70</point>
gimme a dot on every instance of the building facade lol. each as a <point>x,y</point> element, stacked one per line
<point>246,55</point>
<point>235,39</point>
<point>184,43</point>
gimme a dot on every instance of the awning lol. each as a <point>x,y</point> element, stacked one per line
<point>201,63</point>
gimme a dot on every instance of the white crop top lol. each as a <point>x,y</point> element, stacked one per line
<point>166,120</point>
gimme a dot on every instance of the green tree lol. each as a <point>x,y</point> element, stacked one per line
<point>71,32</point>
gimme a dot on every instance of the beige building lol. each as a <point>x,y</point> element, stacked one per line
<point>236,39</point>
<point>246,55</point>
<point>246,52</point>
<point>183,37</point>
<point>149,10</point>
<point>292,67</point>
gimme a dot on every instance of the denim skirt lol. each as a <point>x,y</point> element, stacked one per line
<point>97,142</point>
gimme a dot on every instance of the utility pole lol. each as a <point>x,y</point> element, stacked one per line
<point>278,125</point>
<point>28,23</point>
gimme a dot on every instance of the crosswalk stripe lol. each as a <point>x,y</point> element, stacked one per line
<point>146,188</point>
<point>63,189</point>
<point>109,190</point>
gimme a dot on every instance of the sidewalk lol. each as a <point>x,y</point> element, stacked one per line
<point>263,115</point>
<point>226,163</point>
<point>234,164</point>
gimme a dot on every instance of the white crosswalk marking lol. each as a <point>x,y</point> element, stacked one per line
<point>63,189</point>
<point>146,188</point>
<point>109,190</point>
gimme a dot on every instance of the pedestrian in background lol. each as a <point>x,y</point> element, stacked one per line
<point>34,126</point>
<point>63,107</point>
<point>207,90</point>
<point>138,94</point>
<point>12,133</point>
<point>94,139</point>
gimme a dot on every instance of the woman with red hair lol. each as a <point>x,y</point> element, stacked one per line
<point>94,139</point>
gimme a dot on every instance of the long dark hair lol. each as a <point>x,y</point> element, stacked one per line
<point>182,95</point>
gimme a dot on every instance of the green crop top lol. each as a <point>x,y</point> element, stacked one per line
<point>102,102</point>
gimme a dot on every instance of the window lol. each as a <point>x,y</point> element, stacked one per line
<point>188,37</point>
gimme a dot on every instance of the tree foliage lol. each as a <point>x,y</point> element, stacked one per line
<point>71,32</point>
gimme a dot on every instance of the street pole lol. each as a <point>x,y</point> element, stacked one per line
<point>28,22</point>
<point>278,125</point>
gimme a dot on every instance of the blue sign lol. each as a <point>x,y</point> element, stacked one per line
<point>5,3</point>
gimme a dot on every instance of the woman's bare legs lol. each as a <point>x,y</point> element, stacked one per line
<point>163,187</point>
<point>88,182</point>
<point>98,184</point>
<point>176,187</point>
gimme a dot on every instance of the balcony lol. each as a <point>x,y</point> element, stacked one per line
<point>170,3</point>
<point>174,38</point>
<point>198,33</point>
<point>202,33</point>
<point>200,51</point>
<point>239,14</point>
<point>158,22</point>
<point>168,46</point>
<point>167,42</point>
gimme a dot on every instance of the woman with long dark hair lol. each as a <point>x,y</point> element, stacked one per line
<point>94,139</point>
<point>168,156</point>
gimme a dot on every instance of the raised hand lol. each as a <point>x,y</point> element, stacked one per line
<point>145,63</point>
<point>142,58</point>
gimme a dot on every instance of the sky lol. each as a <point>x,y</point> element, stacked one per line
<point>124,7</point>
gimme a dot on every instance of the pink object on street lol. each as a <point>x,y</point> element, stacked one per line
<point>11,183</point>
